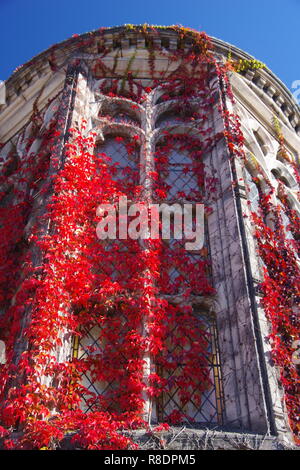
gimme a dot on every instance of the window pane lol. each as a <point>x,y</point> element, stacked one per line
<point>123,160</point>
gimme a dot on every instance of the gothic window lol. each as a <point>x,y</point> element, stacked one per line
<point>180,181</point>
<point>167,119</point>
<point>191,341</point>
<point>188,346</point>
<point>123,160</point>
<point>286,222</point>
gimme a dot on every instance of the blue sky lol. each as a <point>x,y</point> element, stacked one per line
<point>267,29</point>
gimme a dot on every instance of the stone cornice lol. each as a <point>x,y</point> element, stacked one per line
<point>262,81</point>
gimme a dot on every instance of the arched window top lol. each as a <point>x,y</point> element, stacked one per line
<point>180,170</point>
<point>200,402</point>
<point>181,91</point>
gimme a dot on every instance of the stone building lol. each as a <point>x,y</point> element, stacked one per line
<point>184,119</point>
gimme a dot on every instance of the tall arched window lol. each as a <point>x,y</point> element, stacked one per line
<point>191,339</point>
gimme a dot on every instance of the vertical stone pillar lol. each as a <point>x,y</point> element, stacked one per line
<point>244,393</point>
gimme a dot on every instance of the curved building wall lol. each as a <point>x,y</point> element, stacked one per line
<point>163,102</point>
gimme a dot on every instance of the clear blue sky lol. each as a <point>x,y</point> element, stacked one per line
<point>267,29</point>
